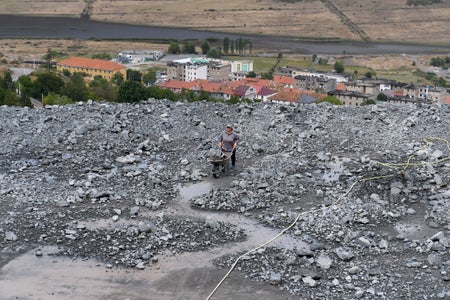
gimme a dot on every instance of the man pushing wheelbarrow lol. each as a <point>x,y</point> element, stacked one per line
<point>227,146</point>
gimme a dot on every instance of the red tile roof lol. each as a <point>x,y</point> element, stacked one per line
<point>340,86</point>
<point>294,95</point>
<point>285,80</point>
<point>89,63</point>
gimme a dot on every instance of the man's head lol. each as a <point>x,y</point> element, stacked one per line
<point>229,128</point>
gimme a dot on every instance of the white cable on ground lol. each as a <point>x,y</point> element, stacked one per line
<point>404,165</point>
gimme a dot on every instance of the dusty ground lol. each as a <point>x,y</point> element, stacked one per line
<point>20,49</point>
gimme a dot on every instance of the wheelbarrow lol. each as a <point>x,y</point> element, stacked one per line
<point>220,163</point>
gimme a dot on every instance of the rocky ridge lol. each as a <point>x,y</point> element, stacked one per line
<point>369,185</point>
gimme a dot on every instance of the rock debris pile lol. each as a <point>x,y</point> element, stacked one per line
<point>367,186</point>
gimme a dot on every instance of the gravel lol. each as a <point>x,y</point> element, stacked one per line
<point>365,190</point>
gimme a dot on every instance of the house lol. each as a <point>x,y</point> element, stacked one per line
<point>368,87</point>
<point>314,83</point>
<point>219,71</point>
<point>94,67</point>
<point>293,95</point>
<point>240,69</point>
<point>263,93</point>
<point>176,86</point>
<point>284,81</point>
<point>195,71</point>
<point>193,68</point>
<point>350,97</point>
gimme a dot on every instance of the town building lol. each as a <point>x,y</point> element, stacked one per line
<point>93,67</point>
<point>240,69</point>
<point>138,56</point>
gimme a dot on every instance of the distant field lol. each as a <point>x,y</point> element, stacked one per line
<point>42,8</point>
<point>377,20</point>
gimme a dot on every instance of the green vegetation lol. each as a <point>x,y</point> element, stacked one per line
<point>104,56</point>
<point>206,46</point>
<point>432,79</point>
<point>58,89</point>
<point>55,99</point>
<point>7,94</point>
<point>339,67</point>
<point>382,97</point>
<point>443,62</point>
<point>214,53</point>
<point>368,102</point>
<point>330,99</point>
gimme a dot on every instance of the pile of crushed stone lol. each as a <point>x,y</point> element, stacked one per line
<point>364,189</point>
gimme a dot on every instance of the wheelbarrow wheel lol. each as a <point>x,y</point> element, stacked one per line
<point>216,171</point>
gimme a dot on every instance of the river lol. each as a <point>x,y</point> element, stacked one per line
<point>13,26</point>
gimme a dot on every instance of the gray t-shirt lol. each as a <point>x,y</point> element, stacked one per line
<point>228,140</point>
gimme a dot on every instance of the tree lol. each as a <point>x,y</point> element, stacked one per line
<point>268,75</point>
<point>131,92</point>
<point>382,97</point>
<point>104,55</point>
<point>25,101</point>
<point>25,85</point>
<point>117,78</point>
<point>55,99</point>
<point>214,53</point>
<point>251,74</point>
<point>189,48</point>
<point>369,74</point>
<point>159,93</point>
<point>339,67</point>
<point>330,99</point>
<point>368,102</point>
<point>250,46</point>
<point>174,48</point>
<point>75,88</point>
<point>205,47</point>
<point>226,45</point>
<point>134,75</point>
<point>232,47</point>
<point>8,97</point>
<point>314,58</point>
<point>66,72</point>
<point>48,58</point>
<point>279,57</point>
<point>149,77</point>
<point>240,45</point>
<point>7,81</point>
<point>101,89</point>
<point>46,83</point>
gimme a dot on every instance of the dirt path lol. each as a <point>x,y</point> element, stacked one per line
<point>190,275</point>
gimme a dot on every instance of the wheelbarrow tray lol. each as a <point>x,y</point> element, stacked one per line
<point>219,159</point>
<point>220,163</point>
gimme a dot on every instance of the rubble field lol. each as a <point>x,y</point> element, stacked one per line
<point>359,197</point>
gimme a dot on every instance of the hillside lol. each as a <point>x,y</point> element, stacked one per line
<point>116,201</point>
<point>380,20</point>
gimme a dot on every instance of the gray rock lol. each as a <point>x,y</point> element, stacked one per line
<point>344,254</point>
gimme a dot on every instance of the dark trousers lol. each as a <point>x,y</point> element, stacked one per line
<point>233,157</point>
